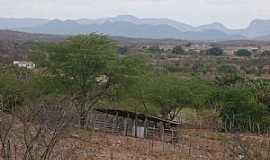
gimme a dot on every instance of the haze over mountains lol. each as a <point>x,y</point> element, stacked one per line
<point>130,26</point>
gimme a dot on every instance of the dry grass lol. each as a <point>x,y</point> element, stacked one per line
<point>193,144</point>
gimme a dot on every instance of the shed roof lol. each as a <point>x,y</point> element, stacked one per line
<point>133,115</point>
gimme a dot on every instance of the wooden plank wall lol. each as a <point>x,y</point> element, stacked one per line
<point>124,126</point>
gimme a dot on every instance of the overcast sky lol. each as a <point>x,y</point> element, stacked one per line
<point>233,13</point>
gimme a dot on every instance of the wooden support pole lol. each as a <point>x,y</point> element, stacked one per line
<point>162,135</point>
<point>145,127</point>
<point>94,120</point>
<point>1,103</point>
<point>125,126</point>
<point>116,122</point>
<point>135,125</point>
<point>134,128</point>
<point>172,136</point>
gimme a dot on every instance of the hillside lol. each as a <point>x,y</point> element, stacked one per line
<point>8,35</point>
<point>130,26</point>
<point>128,29</point>
<point>17,45</point>
<point>77,144</point>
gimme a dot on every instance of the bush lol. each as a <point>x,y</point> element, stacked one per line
<point>266,53</point>
<point>178,50</point>
<point>241,111</point>
<point>243,52</point>
<point>122,50</point>
<point>215,51</point>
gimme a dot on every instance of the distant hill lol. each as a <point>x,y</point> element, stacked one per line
<point>258,28</point>
<point>132,19</point>
<point>17,45</point>
<point>130,26</point>
<point>8,35</point>
<point>128,29</point>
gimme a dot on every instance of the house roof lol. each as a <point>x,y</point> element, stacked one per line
<point>133,115</point>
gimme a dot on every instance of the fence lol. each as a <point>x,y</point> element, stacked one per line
<point>201,143</point>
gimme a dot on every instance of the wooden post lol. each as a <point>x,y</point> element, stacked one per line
<point>94,120</point>
<point>116,123</point>
<point>125,127</point>
<point>172,136</point>
<point>189,148</point>
<point>162,135</point>
<point>134,128</point>
<point>1,104</point>
<point>135,125</point>
<point>145,127</point>
<point>105,121</point>
<point>128,123</point>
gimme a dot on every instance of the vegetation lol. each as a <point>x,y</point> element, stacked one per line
<point>266,53</point>
<point>243,52</point>
<point>215,51</point>
<point>178,50</point>
<point>75,76</point>
<point>155,49</point>
<point>87,72</point>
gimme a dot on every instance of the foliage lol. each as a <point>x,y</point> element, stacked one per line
<point>133,76</point>
<point>178,50</point>
<point>76,64</point>
<point>261,89</point>
<point>240,110</point>
<point>243,52</point>
<point>265,53</point>
<point>155,49</point>
<point>87,71</point>
<point>171,94</point>
<point>215,51</point>
<point>14,87</point>
<point>243,105</point>
<point>228,75</point>
<point>122,50</point>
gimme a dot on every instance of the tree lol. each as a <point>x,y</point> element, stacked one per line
<point>171,94</point>
<point>133,77</point>
<point>261,89</point>
<point>76,64</point>
<point>178,50</point>
<point>228,75</point>
<point>122,50</point>
<point>241,110</point>
<point>168,95</point>
<point>215,51</point>
<point>265,53</point>
<point>14,84</point>
<point>155,49</point>
<point>243,52</point>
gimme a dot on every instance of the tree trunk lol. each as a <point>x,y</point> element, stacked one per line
<point>83,116</point>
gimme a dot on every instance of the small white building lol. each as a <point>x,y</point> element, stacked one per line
<point>25,64</point>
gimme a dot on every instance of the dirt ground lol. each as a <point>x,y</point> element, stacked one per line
<point>193,144</point>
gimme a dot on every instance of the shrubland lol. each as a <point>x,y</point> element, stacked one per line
<point>84,72</point>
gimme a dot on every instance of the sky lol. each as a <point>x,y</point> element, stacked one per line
<point>232,13</point>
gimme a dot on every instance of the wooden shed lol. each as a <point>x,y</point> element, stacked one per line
<point>135,124</point>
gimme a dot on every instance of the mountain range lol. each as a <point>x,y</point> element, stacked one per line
<point>130,26</point>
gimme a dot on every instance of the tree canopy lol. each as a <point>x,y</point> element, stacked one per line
<point>243,52</point>
<point>215,51</point>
